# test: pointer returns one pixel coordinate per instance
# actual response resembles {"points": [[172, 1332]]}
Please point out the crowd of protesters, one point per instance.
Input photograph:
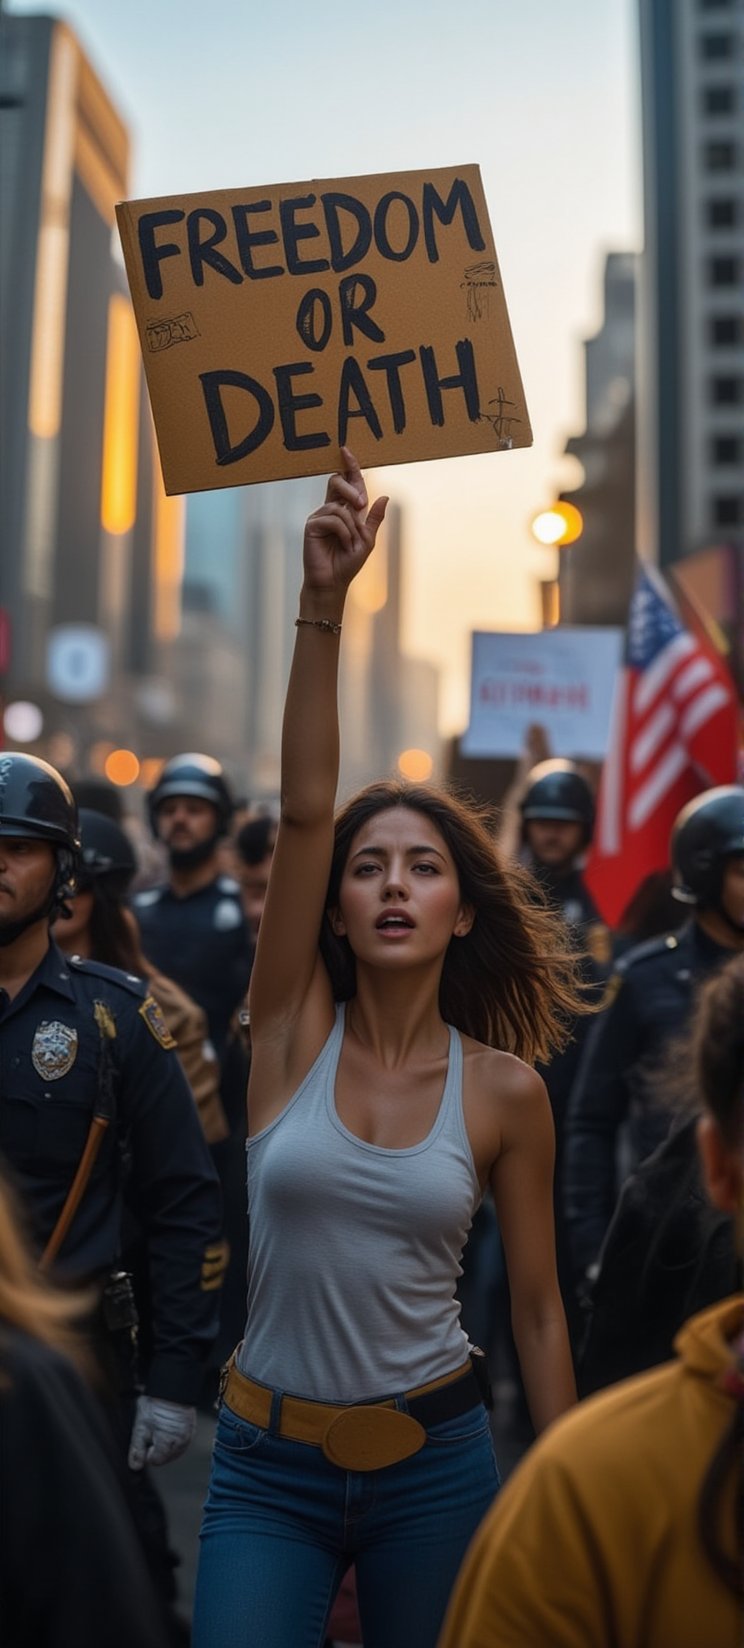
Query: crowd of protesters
{"points": [[477, 1120]]}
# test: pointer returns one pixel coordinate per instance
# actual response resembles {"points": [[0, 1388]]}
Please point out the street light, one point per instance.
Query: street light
{"points": [[560, 525]]}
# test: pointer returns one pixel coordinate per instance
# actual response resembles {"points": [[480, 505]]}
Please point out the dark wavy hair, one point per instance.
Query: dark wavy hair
{"points": [[513, 981], [112, 937], [717, 1057]]}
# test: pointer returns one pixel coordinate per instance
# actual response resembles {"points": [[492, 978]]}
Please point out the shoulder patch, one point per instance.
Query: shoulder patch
{"points": [[599, 943], [612, 989], [113, 975], [227, 915], [148, 895], [153, 1017], [663, 944]]}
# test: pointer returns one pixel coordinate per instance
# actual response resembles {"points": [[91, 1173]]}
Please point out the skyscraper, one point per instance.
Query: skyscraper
{"points": [[84, 539], [691, 361]]}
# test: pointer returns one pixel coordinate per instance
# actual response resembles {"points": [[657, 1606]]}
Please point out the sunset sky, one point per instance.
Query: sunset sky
{"points": [[543, 97]]}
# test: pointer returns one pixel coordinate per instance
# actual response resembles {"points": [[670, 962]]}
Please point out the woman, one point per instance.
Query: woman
{"points": [[71, 1569], [626, 1523], [374, 1127]]}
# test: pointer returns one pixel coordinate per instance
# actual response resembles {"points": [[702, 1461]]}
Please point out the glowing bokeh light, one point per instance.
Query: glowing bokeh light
{"points": [[416, 765], [122, 767]]}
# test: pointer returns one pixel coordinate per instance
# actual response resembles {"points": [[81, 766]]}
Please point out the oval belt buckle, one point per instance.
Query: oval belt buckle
{"points": [[369, 1438]]}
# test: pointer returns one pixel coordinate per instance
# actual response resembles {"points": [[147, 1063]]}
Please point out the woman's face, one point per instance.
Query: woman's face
{"points": [[399, 900]]}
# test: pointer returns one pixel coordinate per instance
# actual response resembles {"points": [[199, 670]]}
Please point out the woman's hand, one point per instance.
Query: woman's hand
{"points": [[341, 534]]}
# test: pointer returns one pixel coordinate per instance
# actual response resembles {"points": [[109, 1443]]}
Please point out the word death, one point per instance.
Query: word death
{"points": [[232, 397]]}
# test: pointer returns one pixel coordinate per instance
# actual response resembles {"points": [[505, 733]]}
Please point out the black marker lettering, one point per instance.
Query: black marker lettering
{"points": [[466, 380], [150, 253], [248, 238], [290, 404], [333, 204], [433, 206], [357, 293], [294, 232], [352, 381], [391, 365], [315, 318], [381, 230], [212, 384], [203, 251]]}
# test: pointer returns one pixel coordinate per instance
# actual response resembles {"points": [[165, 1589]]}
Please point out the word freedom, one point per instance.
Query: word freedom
{"points": [[394, 228]]}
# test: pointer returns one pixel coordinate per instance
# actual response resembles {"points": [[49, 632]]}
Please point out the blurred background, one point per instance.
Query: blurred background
{"points": [[611, 141]]}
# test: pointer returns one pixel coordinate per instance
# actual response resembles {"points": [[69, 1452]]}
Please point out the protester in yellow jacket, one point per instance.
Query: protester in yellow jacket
{"points": [[622, 1528]]}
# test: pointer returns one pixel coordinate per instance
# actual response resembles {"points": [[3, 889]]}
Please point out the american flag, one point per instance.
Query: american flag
{"points": [[673, 733]]}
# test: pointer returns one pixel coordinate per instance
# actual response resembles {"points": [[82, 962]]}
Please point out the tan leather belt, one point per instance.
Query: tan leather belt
{"points": [[364, 1437]]}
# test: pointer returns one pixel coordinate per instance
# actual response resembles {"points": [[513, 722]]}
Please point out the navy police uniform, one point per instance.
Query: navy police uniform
{"points": [[81, 1038], [202, 941], [648, 1000]]}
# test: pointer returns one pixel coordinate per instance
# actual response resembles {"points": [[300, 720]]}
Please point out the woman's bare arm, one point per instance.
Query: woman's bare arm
{"points": [[522, 1184], [338, 539]]}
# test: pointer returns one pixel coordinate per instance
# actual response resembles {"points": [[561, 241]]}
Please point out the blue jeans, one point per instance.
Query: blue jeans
{"points": [[282, 1524]]}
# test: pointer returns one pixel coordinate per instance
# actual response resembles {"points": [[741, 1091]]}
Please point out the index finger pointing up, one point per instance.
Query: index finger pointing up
{"points": [[354, 476]]}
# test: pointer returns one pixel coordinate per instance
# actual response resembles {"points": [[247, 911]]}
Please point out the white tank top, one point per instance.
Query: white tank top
{"points": [[355, 1249]]}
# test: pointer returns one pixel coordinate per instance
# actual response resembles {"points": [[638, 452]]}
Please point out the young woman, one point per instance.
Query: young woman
{"points": [[626, 1523], [397, 959]]}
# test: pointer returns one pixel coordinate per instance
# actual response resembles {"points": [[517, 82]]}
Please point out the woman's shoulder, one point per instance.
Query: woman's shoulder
{"points": [[492, 1071]]}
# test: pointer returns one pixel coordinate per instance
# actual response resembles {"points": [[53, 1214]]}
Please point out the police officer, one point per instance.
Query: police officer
{"points": [[557, 824], [648, 999], [94, 1105], [193, 928]]}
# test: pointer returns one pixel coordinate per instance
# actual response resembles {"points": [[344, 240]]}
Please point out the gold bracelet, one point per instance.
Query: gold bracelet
{"points": [[328, 624]]}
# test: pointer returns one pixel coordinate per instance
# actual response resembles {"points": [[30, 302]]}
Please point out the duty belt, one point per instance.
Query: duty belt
{"points": [[364, 1437]]}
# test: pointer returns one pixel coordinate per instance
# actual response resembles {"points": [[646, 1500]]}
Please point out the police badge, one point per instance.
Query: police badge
{"points": [[54, 1049]]}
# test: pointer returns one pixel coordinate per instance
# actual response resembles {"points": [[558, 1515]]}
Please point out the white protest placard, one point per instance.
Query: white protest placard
{"points": [[561, 679]]}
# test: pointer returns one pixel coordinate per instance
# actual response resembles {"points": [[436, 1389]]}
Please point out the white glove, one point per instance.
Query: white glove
{"points": [[161, 1432]]}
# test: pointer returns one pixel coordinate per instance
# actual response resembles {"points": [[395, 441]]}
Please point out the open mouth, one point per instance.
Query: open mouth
{"points": [[394, 923]]}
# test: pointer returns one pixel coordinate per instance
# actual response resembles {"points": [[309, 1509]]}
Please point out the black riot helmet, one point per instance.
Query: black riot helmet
{"points": [[106, 853], [36, 803], [707, 832], [197, 775], [555, 789]]}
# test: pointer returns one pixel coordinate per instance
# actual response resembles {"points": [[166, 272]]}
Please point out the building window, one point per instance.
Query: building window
{"points": [[727, 391], [720, 214], [729, 511], [723, 271], [719, 100], [717, 48], [726, 330], [719, 156], [727, 449]]}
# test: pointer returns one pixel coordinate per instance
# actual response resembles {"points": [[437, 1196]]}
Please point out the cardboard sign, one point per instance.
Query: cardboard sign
{"points": [[560, 679], [278, 324]]}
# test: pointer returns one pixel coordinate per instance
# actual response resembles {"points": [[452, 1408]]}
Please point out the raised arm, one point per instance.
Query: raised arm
{"points": [[338, 539]]}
